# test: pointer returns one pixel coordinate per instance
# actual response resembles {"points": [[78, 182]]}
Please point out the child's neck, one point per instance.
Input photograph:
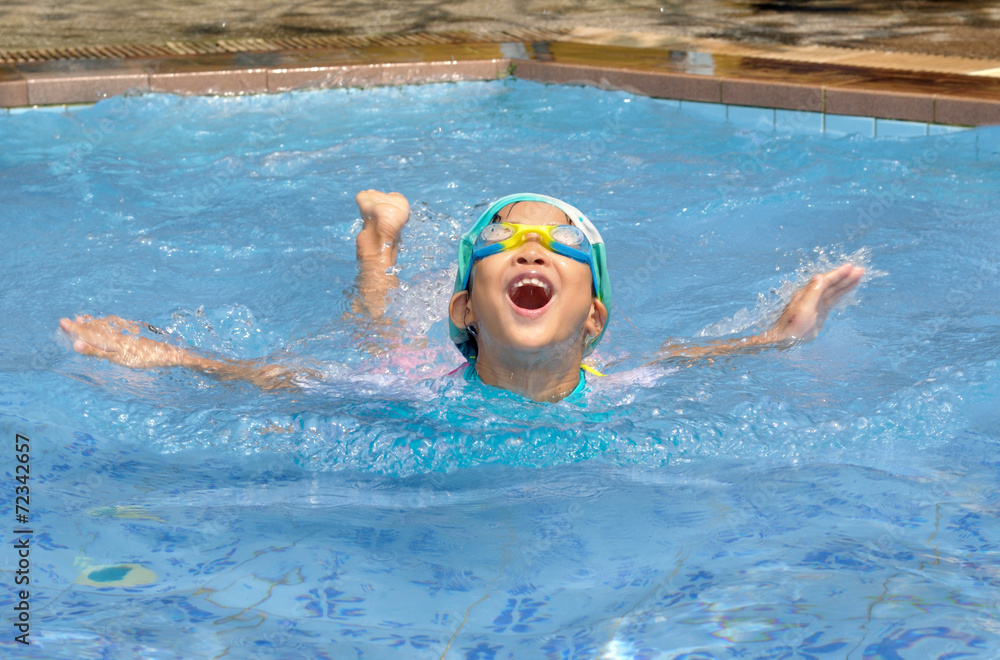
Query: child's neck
{"points": [[537, 379]]}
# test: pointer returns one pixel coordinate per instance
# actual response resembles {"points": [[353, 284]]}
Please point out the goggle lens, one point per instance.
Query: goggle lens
{"points": [[494, 233], [501, 232], [570, 236]]}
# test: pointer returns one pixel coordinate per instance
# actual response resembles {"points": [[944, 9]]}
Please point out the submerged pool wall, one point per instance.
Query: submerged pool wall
{"points": [[840, 91]]}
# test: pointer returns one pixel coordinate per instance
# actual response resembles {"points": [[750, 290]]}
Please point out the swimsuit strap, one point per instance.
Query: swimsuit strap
{"points": [[586, 367]]}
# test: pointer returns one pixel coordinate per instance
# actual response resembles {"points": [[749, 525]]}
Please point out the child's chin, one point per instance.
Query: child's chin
{"points": [[533, 344]]}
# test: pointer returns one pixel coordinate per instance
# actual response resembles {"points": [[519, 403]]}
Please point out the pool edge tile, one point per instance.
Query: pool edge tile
{"points": [[960, 111], [681, 87], [84, 88], [13, 93], [883, 105], [226, 81], [787, 96], [287, 79], [737, 81]]}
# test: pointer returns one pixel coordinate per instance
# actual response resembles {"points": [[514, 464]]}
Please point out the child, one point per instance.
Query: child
{"points": [[531, 300]]}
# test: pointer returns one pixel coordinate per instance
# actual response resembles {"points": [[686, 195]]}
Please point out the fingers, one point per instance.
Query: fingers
{"points": [[844, 272], [101, 340], [842, 287], [107, 322], [839, 281], [104, 335], [83, 348], [69, 325], [116, 339]]}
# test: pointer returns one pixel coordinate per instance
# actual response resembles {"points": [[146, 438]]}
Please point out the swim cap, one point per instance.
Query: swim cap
{"points": [[578, 219]]}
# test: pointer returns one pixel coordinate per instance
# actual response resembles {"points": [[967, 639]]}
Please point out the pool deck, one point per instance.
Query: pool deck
{"points": [[926, 87]]}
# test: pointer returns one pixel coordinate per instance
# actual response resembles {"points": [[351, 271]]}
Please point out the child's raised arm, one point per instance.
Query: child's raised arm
{"points": [[800, 321]]}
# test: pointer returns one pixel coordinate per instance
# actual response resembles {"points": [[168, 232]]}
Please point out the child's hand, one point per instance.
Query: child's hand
{"points": [[801, 320], [117, 340], [384, 215], [805, 312]]}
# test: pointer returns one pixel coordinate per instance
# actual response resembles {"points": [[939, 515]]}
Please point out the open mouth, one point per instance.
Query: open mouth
{"points": [[529, 293]]}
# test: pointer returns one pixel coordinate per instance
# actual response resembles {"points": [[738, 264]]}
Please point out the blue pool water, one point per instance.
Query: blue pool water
{"points": [[836, 500]]}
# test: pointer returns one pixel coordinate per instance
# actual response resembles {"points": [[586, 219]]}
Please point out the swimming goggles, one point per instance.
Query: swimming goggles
{"points": [[567, 240]]}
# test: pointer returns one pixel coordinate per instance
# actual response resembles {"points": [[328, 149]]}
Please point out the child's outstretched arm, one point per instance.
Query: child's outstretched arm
{"points": [[117, 340], [801, 319]]}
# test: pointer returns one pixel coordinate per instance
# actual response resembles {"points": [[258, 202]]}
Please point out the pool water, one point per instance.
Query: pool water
{"points": [[835, 500]]}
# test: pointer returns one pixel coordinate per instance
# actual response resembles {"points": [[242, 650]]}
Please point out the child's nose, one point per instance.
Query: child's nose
{"points": [[532, 251]]}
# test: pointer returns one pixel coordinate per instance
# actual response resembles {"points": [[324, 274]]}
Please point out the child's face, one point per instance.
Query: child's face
{"points": [[529, 298]]}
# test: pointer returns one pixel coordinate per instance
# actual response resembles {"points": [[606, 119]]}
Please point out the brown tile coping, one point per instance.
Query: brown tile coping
{"points": [[81, 82], [965, 112], [13, 88], [86, 81], [648, 83], [883, 105], [362, 75], [734, 79], [788, 96], [224, 81], [13, 93], [82, 88]]}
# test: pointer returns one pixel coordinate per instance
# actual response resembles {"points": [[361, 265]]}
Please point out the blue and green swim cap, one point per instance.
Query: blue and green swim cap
{"points": [[466, 244]]}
